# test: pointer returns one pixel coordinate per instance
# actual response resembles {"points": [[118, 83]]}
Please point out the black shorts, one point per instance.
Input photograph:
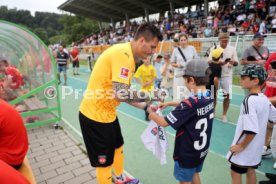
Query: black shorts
{"points": [[241, 170], [101, 140], [76, 64]]}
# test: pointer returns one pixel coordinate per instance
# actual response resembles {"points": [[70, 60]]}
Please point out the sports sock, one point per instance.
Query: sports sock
{"points": [[118, 163], [104, 175]]}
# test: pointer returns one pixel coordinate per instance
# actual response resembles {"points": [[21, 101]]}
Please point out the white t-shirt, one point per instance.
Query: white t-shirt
{"points": [[189, 53], [210, 20], [273, 22], [227, 69], [255, 112]]}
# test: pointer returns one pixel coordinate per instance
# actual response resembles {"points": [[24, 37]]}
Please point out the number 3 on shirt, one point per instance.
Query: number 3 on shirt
{"points": [[203, 134]]}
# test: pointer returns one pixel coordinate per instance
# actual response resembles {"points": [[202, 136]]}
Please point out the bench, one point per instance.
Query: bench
{"points": [[26, 171], [33, 103]]}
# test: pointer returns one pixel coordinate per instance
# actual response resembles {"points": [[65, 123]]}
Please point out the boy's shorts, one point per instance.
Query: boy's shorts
{"points": [[241, 170], [62, 68], [185, 174], [101, 140]]}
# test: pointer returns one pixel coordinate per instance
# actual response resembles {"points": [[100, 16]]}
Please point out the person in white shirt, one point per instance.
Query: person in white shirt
{"points": [[210, 20], [273, 23], [228, 61], [256, 110]]}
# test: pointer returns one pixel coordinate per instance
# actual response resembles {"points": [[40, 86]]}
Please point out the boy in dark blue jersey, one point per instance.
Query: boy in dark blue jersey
{"points": [[192, 119]]}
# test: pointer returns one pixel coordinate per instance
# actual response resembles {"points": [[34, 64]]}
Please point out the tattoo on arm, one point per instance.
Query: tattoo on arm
{"points": [[123, 93]]}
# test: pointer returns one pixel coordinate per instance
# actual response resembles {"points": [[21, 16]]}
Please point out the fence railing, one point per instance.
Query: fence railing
{"points": [[202, 45]]}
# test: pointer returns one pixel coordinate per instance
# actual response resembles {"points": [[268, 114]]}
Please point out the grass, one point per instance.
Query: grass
{"points": [[236, 80]]}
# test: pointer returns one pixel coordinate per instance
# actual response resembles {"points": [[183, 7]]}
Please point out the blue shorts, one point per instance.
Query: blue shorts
{"points": [[62, 68], [185, 174]]}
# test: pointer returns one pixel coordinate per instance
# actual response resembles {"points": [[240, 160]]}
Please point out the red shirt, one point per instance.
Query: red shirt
{"points": [[13, 135], [17, 79], [9, 175], [74, 53], [271, 79]]}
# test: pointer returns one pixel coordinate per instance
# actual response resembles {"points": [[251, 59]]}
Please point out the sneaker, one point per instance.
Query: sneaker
{"points": [[224, 118], [127, 181], [267, 153]]}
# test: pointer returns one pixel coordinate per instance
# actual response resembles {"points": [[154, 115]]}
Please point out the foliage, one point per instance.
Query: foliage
{"points": [[51, 27]]}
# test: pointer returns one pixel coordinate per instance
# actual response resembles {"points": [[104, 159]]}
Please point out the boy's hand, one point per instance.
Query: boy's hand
{"points": [[235, 149], [162, 105]]}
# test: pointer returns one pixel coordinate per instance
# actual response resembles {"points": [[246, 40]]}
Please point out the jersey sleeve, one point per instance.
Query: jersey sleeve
{"points": [[121, 69], [180, 115], [250, 119], [272, 113]]}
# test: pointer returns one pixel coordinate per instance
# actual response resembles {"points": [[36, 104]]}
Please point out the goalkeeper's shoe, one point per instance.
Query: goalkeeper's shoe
{"points": [[127, 181]]}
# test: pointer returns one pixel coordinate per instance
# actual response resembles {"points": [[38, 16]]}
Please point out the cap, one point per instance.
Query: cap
{"points": [[254, 71], [258, 35], [195, 68], [273, 64], [223, 36], [216, 53]]}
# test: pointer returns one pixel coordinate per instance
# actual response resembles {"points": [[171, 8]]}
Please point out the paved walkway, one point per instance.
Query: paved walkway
{"points": [[56, 158]]}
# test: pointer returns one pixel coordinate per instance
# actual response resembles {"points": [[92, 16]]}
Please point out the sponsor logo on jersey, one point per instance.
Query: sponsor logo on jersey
{"points": [[171, 118], [102, 159], [124, 73], [154, 131]]}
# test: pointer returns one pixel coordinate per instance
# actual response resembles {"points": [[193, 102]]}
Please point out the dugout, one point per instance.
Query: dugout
{"points": [[37, 99]]}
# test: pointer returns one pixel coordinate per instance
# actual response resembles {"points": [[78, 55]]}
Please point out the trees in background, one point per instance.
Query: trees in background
{"points": [[51, 27]]}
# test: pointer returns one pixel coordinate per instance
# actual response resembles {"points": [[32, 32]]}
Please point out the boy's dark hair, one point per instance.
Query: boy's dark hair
{"points": [[148, 31]]}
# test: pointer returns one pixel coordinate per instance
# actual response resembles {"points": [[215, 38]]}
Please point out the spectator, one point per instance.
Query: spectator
{"points": [[167, 75], [210, 20], [246, 148], [263, 29], [228, 60], [157, 65], [256, 53], [146, 75], [273, 22], [74, 55], [9, 175], [62, 61], [215, 66], [13, 136], [270, 91], [180, 56]]}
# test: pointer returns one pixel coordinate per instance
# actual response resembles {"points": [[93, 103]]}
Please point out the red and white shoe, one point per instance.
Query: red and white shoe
{"points": [[127, 181]]}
